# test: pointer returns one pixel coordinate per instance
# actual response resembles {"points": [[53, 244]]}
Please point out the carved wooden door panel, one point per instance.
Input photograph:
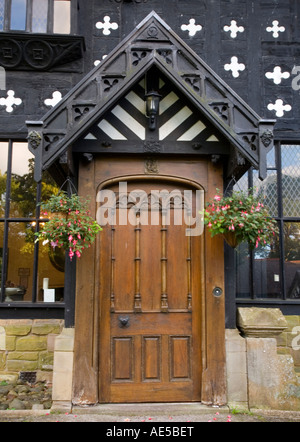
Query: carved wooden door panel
{"points": [[150, 299]]}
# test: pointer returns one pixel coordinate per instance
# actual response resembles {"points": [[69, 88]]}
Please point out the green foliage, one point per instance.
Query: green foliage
{"points": [[242, 214]]}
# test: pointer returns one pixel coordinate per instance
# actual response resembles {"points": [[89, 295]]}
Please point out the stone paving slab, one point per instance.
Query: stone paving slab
{"points": [[139, 414]]}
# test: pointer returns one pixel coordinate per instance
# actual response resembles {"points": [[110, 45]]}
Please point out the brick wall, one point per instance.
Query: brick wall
{"points": [[28, 346]]}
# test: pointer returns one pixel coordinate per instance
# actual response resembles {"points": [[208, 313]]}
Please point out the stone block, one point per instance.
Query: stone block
{"points": [[51, 341], [296, 356], [10, 343], [21, 365], [234, 341], [236, 367], [62, 376], [282, 339], [45, 360], [292, 321], [272, 381], [65, 341], [261, 322], [236, 362], [31, 343], [21, 327], [44, 327], [8, 377], [2, 360], [237, 390], [23, 356], [2, 338]]}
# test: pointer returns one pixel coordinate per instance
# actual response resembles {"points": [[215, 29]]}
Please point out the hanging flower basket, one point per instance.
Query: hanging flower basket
{"points": [[70, 225], [240, 217], [231, 239]]}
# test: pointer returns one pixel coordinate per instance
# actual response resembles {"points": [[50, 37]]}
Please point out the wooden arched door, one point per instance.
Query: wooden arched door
{"points": [[151, 294]]}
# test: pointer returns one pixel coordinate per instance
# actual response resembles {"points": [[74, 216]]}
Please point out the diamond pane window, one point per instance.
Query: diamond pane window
{"points": [[2, 10], [290, 158], [39, 15], [267, 190]]}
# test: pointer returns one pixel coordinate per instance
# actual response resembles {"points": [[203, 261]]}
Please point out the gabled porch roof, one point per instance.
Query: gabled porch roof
{"points": [[152, 43]]}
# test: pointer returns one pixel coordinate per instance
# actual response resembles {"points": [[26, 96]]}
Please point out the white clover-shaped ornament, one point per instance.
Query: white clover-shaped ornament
{"points": [[10, 101], [106, 25], [191, 27], [56, 97]]}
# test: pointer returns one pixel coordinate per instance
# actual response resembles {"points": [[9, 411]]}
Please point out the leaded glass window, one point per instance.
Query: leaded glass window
{"points": [[273, 271], [290, 159], [2, 14], [29, 271], [39, 16]]}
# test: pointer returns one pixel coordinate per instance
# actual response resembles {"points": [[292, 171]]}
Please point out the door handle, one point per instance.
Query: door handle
{"points": [[124, 321]]}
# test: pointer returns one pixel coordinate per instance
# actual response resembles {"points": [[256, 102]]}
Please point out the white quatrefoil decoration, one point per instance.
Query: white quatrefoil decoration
{"points": [[106, 25], [277, 75], [234, 67], [276, 28], [234, 29], [191, 27], [10, 101], [56, 97], [279, 107]]}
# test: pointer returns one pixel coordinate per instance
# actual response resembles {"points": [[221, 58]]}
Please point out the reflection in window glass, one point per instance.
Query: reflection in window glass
{"points": [[51, 274], [39, 15], [18, 15], [3, 169], [62, 17], [266, 271], [243, 279], [292, 259], [23, 186], [290, 157], [18, 283]]}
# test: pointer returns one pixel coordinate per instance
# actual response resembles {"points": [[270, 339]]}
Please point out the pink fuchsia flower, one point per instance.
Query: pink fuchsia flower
{"points": [[71, 254], [78, 254], [70, 238], [217, 198], [54, 244]]}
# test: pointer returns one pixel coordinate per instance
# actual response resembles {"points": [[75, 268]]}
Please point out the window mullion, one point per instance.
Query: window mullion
{"points": [[29, 16], [7, 15], [280, 217], [50, 16], [6, 224]]}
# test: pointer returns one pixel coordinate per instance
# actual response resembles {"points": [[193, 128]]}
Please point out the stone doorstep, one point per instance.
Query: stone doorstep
{"points": [[119, 409], [153, 409]]}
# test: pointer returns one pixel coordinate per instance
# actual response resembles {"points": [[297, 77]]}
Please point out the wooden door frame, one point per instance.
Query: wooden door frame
{"points": [[87, 314]]}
